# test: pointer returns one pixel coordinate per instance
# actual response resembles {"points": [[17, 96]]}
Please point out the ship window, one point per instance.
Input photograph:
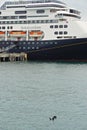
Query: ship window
{"points": [[11, 27], [71, 11], [65, 26], [53, 10], [74, 11], [60, 32], [20, 12], [51, 42], [65, 32], [37, 43], [74, 37], [60, 26], [9, 21], [2, 42], [40, 11], [46, 42], [24, 42], [55, 42], [56, 26], [23, 47], [4, 17], [12, 22], [42, 21], [25, 22], [59, 37], [13, 17], [3, 27], [33, 48], [0, 12], [3, 22], [22, 17], [51, 21], [55, 33], [33, 21], [8, 27], [51, 26], [37, 47], [33, 42]]}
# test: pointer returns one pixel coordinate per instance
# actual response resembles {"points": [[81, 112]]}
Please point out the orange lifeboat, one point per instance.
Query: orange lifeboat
{"points": [[2, 34], [17, 33], [35, 33]]}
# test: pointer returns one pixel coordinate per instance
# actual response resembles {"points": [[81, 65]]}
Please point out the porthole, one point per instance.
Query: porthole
{"points": [[7, 42], [11, 42], [24, 42], [24, 48], [33, 42], [55, 42], [37, 48], [33, 48], [28, 48], [37, 42], [46, 42], [51, 42]]}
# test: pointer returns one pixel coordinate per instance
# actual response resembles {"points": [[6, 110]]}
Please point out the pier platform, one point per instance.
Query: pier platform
{"points": [[6, 57]]}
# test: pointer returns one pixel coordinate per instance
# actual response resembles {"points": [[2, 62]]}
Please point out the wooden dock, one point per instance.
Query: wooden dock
{"points": [[6, 57]]}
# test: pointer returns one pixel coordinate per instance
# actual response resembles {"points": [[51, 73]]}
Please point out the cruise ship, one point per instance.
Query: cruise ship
{"points": [[43, 29]]}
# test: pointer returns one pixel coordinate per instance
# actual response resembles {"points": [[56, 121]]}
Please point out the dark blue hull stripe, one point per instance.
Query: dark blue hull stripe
{"points": [[53, 49]]}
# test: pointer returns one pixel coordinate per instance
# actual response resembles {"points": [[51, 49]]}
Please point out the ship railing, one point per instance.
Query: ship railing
{"points": [[29, 2]]}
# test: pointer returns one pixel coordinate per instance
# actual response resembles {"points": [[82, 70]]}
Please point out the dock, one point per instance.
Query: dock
{"points": [[11, 57]]}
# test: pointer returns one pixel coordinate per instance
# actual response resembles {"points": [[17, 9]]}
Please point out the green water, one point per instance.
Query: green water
{"points": [[31, 92]]}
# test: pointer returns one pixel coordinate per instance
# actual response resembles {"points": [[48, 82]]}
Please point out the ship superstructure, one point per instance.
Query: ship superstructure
{"points": [[42, 28]]}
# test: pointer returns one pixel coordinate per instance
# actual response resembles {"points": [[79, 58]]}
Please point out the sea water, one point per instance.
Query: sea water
{"points": [[33, 92]]}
